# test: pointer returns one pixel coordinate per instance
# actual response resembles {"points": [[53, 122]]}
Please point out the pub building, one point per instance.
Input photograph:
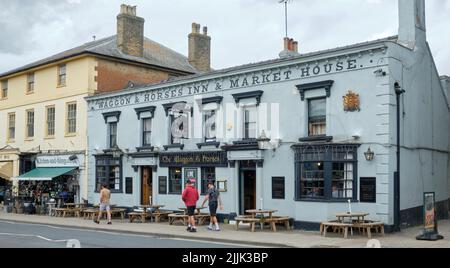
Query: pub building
{"points": [[302, 134]]}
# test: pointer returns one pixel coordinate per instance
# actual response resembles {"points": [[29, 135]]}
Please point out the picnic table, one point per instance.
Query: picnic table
{"points": [[200, 217], [356, 220], [261, 215], [358, 216]]}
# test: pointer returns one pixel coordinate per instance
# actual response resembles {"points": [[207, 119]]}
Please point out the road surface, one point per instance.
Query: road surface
{"points": [[22, 235]]}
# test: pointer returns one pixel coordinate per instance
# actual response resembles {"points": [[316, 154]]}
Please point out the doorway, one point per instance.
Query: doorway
{"points": [[146, 185], [247, 186]]}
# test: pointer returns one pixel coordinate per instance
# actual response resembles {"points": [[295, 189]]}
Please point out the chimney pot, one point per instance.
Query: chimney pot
{"points": [[295, 46], [205, 30], [286, 43]]}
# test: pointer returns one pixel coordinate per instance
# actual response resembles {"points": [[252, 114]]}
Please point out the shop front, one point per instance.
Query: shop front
{"points": [[56, 179]]}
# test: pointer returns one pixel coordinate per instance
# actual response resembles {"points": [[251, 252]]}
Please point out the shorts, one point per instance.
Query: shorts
{"points": [[105, 207], [191, 210], [213, 209]]}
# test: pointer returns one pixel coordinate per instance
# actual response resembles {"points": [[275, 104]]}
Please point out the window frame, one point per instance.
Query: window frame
{"points": [[322, 118], [4, 88], [204, 179], [27, 125], [246, 136], [170, 180], [47, 126], [62, 74], [107, 165], [68, 119], [172, 118], [9, 128], [30, 83], [328, 152], [206, 115], [284, 188], [145, 132], [110, 135]]}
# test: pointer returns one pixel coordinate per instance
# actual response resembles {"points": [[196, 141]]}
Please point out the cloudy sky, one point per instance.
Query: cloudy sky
{"points": [[242, 31]]}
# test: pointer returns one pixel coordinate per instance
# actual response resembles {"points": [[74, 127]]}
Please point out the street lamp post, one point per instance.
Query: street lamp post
{"points": [[398, 92]]}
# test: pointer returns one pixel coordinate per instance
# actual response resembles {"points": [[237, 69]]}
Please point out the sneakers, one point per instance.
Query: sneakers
{"points": [[210, 228], [96, 221], [109, 223], [217, 229], [193, 230], [189, 228]]}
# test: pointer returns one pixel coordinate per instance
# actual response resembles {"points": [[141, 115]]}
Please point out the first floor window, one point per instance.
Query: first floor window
{"points": [[50, 121], [175, 181], [109, 172], [71, 118], [30, 123], [4, 89], [209, 125], [326, 171], [11, 126], [250, 119], [178, 127], [30, 83], [317, 117], [208, 174], [62, 75], [112, 135], [146, 132]]}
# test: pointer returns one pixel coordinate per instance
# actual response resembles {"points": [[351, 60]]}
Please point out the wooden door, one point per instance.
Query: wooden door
{"points": [[146, 185]]}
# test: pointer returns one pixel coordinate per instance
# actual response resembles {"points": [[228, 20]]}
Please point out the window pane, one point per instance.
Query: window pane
{"points": [[209, 126], [208, 174], [30, 80], [50, 121], [312, 182], [278, 188], [112, 135], [72, 118], [146, 133], [342, 180], [12, 126], [317, 107], [175, 181], [4, 89], [250, 117], [30, 124]]}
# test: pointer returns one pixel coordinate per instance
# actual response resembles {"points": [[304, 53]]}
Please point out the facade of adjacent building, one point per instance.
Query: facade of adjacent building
{"points": [[302, 134], [42, 107]]}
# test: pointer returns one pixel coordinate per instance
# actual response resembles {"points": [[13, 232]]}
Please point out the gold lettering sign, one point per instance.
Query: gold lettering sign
{"points": [[351, 102], [205, 159]]}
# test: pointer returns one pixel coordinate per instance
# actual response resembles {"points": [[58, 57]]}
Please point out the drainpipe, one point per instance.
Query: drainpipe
{"points": [[398, 92]]}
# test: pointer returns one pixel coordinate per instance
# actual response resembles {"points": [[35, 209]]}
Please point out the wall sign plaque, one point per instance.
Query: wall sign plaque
{"points": [[191, 159], [351, 102]]}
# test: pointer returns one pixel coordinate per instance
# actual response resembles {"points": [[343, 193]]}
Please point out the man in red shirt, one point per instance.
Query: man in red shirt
{"points": [[190, 197]]}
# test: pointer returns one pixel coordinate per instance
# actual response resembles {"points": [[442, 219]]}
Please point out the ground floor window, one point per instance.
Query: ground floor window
{"points": [[109, 171], [208, 174], [175, 181], [326, 172]]}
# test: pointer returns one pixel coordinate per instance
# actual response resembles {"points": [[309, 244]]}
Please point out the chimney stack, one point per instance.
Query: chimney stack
{"points": [[130, 32], [412, 27], [290, 48], [200, 48]]}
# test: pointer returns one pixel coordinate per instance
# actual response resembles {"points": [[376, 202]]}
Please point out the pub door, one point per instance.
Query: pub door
{"points": [[247, 186], [146, 185]]}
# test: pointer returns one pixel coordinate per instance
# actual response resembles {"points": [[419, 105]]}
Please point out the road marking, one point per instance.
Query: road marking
{"points": [[38, 236]]}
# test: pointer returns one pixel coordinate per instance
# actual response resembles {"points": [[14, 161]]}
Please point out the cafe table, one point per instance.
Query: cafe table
{"points": [[358, 216], [263, 214]]}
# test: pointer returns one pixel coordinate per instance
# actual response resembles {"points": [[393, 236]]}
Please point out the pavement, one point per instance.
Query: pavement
{"points": [[228, 234]]}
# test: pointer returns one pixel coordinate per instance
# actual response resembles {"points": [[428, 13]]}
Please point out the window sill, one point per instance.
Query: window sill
{"points": [[29, 139], [29, 93], [10, 141], [147, 148], [60, 86], [174, 146], [211, 143], [49, 138], [310, 200], [70, 135], [316, 138]]}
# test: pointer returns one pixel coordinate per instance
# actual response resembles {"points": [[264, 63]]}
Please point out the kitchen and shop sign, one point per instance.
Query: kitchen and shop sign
{"points": [[58, 161], [206, 159]]}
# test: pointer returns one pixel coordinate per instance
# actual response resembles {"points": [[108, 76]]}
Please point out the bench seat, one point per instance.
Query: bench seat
{"points": [[336, 226], [368, 226]]}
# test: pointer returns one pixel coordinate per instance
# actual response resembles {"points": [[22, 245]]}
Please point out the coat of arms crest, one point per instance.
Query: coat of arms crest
{"points": [[351, 102]]}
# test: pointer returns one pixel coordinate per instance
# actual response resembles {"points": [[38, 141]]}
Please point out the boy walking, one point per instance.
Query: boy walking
{"points": [[190, 197], [213, 198], [105, 197]]}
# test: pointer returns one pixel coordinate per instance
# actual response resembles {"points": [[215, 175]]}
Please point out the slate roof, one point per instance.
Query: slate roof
{"points": [[154, 54]]}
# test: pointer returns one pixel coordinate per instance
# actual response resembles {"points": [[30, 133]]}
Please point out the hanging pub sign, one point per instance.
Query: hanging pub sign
{"points": [[430, 231], [190, 159]]}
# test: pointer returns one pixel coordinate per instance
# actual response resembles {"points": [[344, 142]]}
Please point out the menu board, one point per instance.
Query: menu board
{"points": [[368, 190]]}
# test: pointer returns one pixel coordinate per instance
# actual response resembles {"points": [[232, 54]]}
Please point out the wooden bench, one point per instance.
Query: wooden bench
{"points": [[160, 215], [278, 219], [89, 214], [246, 219], [368, 226], [118, 211], [336, 226], [177, 217], [138, 215], [63, 212], [201, 218]]}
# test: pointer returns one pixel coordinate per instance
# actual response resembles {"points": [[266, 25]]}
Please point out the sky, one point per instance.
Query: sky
{"points": [[242, 31]]}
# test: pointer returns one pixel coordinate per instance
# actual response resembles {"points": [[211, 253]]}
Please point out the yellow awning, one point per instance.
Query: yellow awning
{"points": [[6, 170]]}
